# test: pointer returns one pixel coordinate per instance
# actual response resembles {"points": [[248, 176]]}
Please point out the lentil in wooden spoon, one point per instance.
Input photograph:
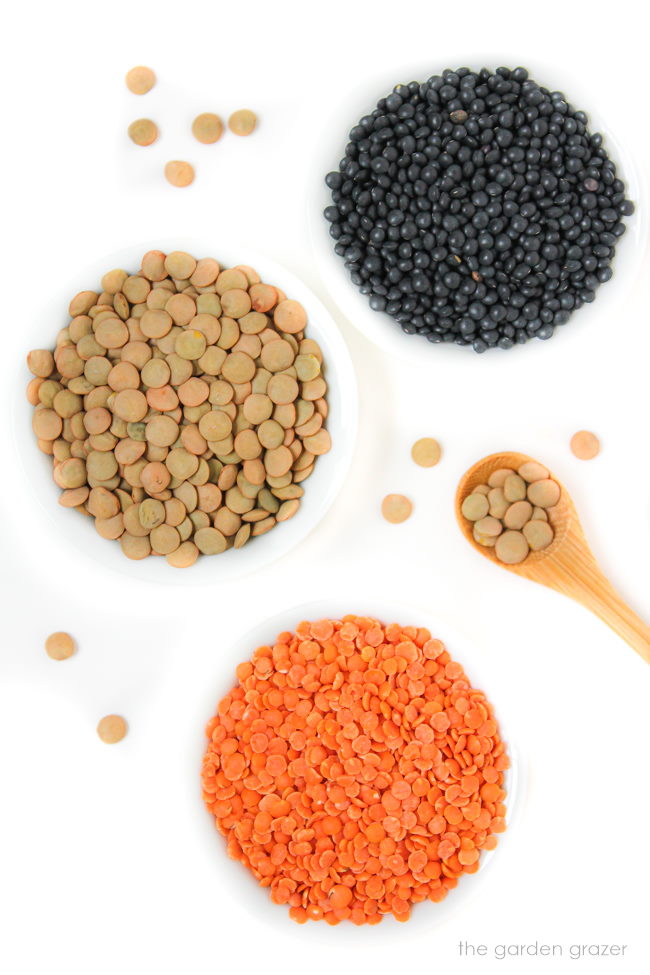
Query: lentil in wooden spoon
{"points": [[567, 564]]}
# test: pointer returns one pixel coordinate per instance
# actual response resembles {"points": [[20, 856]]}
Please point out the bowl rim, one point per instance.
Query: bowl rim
{"points": [[329, 473]]}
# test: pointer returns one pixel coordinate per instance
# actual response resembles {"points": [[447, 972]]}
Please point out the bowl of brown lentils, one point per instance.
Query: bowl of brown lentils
{"points": [[196, 412]]}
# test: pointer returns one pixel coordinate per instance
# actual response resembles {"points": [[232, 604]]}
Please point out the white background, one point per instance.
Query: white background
{"points": [[106, 862]]}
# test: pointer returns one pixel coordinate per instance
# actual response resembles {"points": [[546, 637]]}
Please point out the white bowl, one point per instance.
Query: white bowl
{"points": [[379, 327], [321, 487], [234, 877]]}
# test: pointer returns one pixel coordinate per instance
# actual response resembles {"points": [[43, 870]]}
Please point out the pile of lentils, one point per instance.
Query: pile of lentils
{"points": [[510, 512], [476, 208], [355, 770], [182, 406]]}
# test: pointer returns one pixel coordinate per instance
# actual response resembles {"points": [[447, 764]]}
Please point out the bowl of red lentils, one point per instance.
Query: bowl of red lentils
{"points": [[354, 769]]}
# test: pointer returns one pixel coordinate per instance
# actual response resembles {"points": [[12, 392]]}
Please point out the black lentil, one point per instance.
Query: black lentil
{"points": [[476, 208]]}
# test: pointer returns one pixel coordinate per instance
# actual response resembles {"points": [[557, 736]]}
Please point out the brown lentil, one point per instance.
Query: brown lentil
{"points": [[511, 547], [140, 80], [112, 729], [179, 173], [242, 122], [59, 646], [185, 555], [585, 445], [475, 506], [426, 452], [396, 508], [538, 534], [207, 128], [544, 494], [143, 132], [517, 521]]}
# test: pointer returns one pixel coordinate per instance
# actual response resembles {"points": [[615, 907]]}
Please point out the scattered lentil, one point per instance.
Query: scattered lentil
{"points": [[179, 173], [426, 452], [59, 646], [242, 122], [165, 434], [207, 128], [355, 771], [143, 132], [112, 729], [140, 80], [396, 508], [585, 445]]}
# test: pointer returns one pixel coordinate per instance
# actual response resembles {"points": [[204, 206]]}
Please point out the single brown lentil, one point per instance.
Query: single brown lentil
{"points": [[143, 132], [242, 122], [140, 80], [179, 173], [60, 646], [585, 445], [207, 128], [426, 452], [112, 729], [396, 508]]}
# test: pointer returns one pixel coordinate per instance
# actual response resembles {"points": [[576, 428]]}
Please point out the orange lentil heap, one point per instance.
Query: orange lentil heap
{"points": [[355, 770]]}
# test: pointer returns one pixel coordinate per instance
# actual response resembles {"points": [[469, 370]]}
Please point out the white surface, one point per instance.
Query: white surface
{"points": [[103, 867], [330, 471]]}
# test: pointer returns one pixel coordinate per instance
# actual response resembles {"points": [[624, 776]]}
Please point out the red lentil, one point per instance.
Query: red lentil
{"points": [[355, 770]]}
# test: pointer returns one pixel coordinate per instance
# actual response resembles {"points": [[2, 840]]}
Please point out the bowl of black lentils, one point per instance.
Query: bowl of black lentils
{"points": [[477, 208]]}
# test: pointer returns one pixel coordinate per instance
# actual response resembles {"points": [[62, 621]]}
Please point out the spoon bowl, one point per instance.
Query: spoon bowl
{"points": [[567, 565], [562, 517]]}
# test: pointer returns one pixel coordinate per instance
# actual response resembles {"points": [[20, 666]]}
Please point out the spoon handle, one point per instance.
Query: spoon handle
{"points": [[579, 576]]}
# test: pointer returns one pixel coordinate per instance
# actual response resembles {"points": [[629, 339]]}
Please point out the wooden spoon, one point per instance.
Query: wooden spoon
{"points": [[567, 565]]}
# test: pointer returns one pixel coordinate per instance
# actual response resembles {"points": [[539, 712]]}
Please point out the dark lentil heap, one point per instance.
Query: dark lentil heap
{"points": [[476, 208]]}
